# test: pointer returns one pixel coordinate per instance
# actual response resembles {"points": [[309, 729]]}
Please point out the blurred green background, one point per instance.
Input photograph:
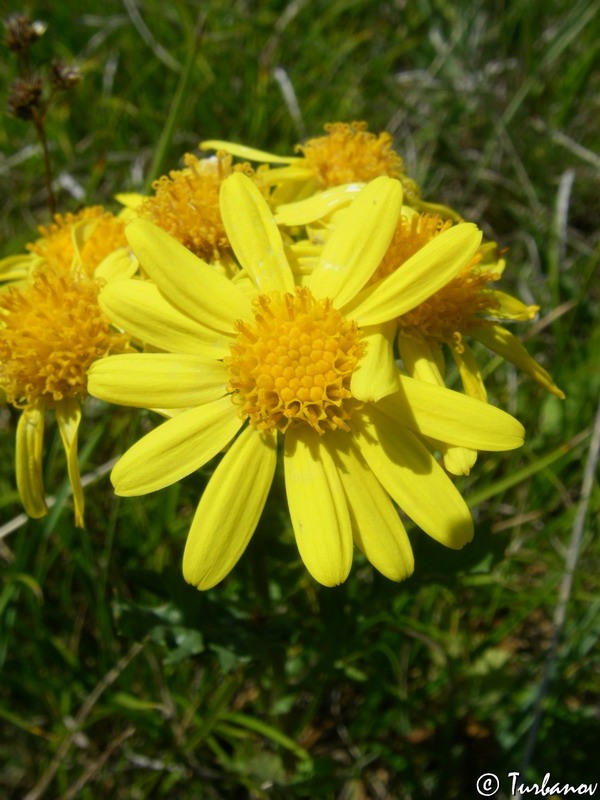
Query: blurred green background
{"points": [[119, 680]]}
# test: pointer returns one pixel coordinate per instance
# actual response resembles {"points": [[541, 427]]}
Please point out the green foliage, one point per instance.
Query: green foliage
{"points": [[269, 686]]}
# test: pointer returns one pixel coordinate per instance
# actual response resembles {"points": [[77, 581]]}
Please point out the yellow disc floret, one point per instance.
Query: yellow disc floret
{"points": [[186, 203], [349, 153], [293, 363], [56, 243], [50, 333]]}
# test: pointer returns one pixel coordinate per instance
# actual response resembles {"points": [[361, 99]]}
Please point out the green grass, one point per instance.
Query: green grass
{"points": [[269, 686]]}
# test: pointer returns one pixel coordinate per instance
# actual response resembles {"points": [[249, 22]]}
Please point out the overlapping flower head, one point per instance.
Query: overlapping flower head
{"points": [[185, 203], [51, 330], [306, 303], [466, 307], [296, 362], [347, 154]]}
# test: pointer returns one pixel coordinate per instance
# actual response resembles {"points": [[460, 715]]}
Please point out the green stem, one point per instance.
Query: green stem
{"points": [[156, 168], [41, 131]]}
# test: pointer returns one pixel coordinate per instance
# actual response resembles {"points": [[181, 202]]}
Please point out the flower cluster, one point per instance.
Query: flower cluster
{"points": [[301, 306]]}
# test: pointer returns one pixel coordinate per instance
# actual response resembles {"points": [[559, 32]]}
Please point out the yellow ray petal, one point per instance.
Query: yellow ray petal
{"points": [[509, 347], [28, 468], [68, 416], [359, 242], [230, 509], [249, 153], [505, 306], [422, 360], [317, 206], [165, 380], [469, 372], [185, 280], [452, 417], [130, 199], [430, 268], [118, 265], [459, 460], [253, 234], [318, 507], [377, 373], [80, 233], [140, 309], [376, 526], [410, 474], [177, 447], [15, 268]]}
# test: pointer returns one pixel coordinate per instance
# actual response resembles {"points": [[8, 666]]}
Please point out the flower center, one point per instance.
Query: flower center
{"points": [[293, 363], [51, 332], [186, 203], [349, 153], [459, 305], [56, 245]]}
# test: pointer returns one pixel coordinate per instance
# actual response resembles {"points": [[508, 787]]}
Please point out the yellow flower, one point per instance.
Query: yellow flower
{"points": [[51, 330], [83, 239], [186, 204], [466, 305], [297, 364], [347, 154]]}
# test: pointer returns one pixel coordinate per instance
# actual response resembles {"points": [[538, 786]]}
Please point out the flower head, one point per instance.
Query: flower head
{"points": [[347, 154], [51, 330], [186, 205], [304, 364], [88, 236]]}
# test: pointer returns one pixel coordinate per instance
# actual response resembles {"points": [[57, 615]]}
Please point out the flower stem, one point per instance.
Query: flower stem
{"points": [[41, 131]]}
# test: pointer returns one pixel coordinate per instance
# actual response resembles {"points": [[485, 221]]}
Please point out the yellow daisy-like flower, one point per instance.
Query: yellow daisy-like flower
{"points": [[51, 330], [185, 203], [83, 239], [295, 363], [347, 154], [466, 305]]}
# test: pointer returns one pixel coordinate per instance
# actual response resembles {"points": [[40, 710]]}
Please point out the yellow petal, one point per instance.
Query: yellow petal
{"points": [[15, 268], [68, 416], [505, 306], [118, 265], [166, 380], [459, 460], [80, 233], [230, 509], [452, 417], [422, 360], [509, 347], [410, 474], [29, 445], [140, 309], [176, 448], [317, 206], [376, 525], [293, 183], [359, 242], [318, 507], [185, 280], [242, 151], [130, 199], [430, 268], [377, 373], [253, 234], [469, 372]]}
